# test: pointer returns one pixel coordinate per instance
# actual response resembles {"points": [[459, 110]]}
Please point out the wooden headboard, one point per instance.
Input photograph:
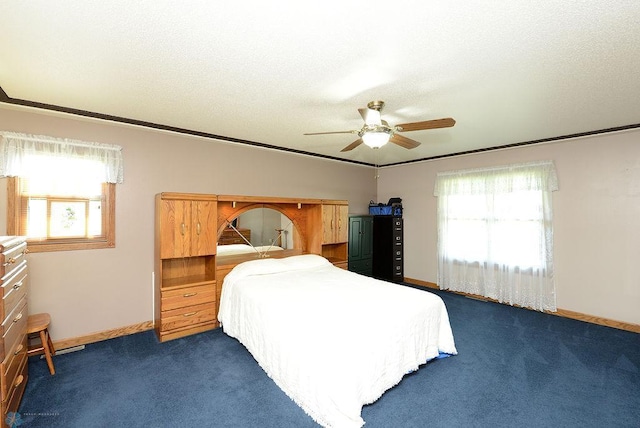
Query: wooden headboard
{"points": [[305, 214], [188, 227]]}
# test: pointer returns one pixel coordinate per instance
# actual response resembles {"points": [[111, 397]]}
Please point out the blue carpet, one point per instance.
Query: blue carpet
{"points": [[515, 368]]}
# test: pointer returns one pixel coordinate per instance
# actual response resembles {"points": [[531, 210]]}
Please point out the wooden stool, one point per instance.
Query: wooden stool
{"points": [[39, 323]]}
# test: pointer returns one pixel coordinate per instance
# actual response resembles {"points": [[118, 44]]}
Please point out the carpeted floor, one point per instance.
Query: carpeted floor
{"points": [[515, 368]]}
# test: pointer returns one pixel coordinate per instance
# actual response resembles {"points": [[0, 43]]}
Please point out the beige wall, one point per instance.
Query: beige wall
{"points": [[596, 214], [596, 218], [92, 291]]}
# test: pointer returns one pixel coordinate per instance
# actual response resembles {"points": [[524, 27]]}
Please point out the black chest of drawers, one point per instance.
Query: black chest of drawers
{"points": [[388, 248]]}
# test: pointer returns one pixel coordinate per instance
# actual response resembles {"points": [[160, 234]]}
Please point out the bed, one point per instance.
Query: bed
{"points": [[331, 339]]}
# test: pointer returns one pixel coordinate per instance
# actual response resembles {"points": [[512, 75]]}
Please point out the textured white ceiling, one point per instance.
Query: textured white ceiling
{"points": [[507, 71]]}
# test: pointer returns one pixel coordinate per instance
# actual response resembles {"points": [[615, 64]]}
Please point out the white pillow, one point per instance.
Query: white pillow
{"points": [[305, 261]]}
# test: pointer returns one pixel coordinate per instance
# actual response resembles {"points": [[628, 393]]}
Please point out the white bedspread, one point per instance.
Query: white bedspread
{"points": [[331, 339]]}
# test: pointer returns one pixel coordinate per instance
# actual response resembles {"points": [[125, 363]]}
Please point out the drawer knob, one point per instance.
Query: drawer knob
{"points": [[19, 380], [20, 347], [18, 285], [9, 262], [190, 314], [18, 318], [189, 294]]}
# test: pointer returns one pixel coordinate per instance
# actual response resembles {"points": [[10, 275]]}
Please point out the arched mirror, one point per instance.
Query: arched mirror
{"points": [[258, 231]]}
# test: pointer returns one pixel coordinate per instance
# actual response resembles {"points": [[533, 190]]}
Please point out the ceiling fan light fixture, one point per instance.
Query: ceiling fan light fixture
{"points": [[376, 132], [376, 139]]}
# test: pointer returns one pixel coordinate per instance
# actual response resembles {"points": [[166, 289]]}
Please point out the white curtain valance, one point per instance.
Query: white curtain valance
{"points": [[17, 152], [502, 179]]}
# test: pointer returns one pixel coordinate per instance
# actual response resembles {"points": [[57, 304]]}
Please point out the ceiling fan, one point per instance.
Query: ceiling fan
{"points": [[376, 132]]}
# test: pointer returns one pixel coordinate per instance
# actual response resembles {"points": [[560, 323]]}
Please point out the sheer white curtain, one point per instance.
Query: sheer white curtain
{"points": [[495, 233], [38, 156]]}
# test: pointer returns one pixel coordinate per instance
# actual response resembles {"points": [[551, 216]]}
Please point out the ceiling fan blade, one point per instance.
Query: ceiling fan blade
{"points": [[352, 145], [334, 132], [371, 117], [428, 124], [403, 141]]}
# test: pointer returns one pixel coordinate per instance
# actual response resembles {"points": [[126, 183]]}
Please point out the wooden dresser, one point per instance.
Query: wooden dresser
{"points": [[13, 349], [230, 236]]}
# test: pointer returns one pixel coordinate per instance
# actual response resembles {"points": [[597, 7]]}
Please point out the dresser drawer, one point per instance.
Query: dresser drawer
{"points": [[11, 365], [188, 296], [14, 289], [188, 316], [14, 327], [363, 267], [11, 257], [360, 265], [16, 390]]}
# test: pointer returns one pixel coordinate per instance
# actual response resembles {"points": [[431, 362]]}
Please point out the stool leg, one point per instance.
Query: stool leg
{"points": [[50, 342], [47, 353]]}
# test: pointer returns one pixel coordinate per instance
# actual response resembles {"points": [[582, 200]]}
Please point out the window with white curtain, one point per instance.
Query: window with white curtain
{"points": [[495, 233], [61, 192]]}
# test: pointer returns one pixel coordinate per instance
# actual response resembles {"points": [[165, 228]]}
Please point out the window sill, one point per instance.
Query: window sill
{"points": [[36, 246]]}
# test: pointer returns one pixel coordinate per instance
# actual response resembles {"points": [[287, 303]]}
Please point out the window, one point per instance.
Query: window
{"points": [[482, 229], [61, 193], [495, 235], [55, 223]]}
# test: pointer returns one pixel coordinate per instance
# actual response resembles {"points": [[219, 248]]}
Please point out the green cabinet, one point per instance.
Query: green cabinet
{"points": [[361, 244]]}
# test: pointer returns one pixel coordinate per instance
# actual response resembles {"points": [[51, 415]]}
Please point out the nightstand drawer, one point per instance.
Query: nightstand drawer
{"points": [[188, 296], [188, 316]]}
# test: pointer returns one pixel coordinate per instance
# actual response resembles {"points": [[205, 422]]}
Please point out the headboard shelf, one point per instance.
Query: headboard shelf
{"points": [[226, 262]]}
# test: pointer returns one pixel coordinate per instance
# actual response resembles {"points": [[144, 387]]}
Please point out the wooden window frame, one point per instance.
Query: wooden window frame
{"points": [[16, 222]]}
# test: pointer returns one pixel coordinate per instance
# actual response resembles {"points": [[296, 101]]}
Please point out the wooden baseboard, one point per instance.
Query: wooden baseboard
{"points": [[621, 325], [421, 283], [103, 335]]}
